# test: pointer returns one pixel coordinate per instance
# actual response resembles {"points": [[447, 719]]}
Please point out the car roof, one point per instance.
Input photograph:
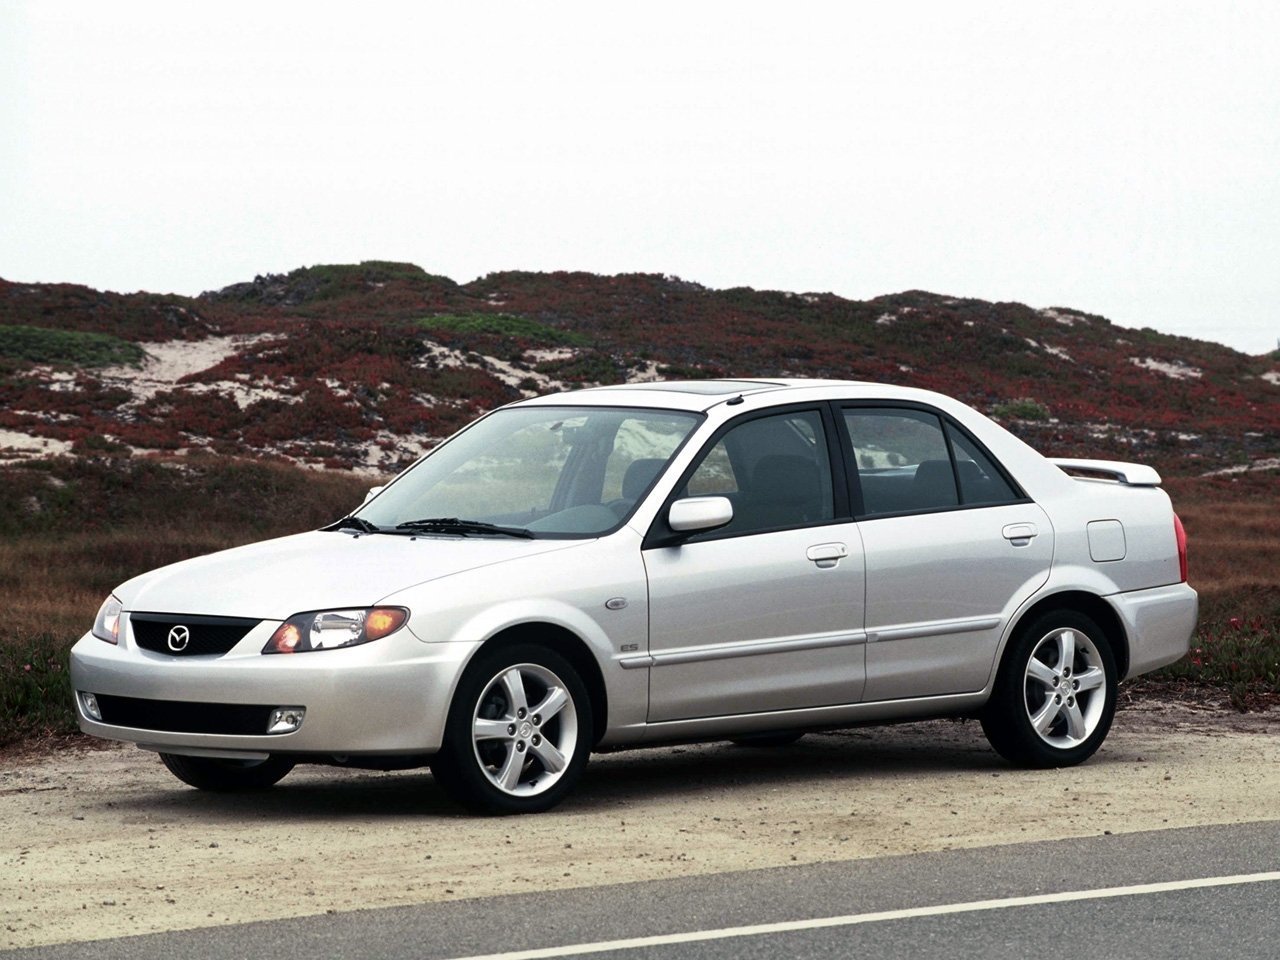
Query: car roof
{"points": [[704, 394], [701, 395]]}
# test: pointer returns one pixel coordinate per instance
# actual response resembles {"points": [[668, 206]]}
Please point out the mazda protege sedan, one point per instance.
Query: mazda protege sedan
{"points": [[657, 562]]}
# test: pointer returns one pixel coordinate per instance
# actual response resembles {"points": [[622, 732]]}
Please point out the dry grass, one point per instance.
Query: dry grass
{"points": [[1233, 536], [1234, 546]]}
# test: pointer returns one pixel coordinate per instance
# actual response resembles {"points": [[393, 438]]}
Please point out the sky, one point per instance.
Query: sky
{"points": [[1118, 158]]}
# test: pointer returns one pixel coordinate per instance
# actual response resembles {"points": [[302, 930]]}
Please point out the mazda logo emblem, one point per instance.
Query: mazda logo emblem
{"points": [[179, 637]]}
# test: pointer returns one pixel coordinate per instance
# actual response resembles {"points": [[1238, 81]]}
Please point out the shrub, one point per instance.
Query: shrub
{"points": [[505, 325], [591, 366], [42, 345], [1023, 408]]}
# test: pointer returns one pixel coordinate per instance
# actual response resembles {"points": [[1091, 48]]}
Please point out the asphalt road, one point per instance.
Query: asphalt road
{"points": [[1237, 918]]}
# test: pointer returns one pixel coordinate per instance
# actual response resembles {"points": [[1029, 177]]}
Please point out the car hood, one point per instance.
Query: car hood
{"points": [[320, 570]]}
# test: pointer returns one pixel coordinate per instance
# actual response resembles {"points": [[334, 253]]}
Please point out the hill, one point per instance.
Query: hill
{"points": [[365, 366]]}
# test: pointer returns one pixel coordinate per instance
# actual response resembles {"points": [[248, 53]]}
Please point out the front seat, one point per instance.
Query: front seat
{"points": [[785, 491], [638, 477], [640, 473]]}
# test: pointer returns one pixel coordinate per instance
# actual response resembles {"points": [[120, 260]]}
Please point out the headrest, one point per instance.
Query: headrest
{"points": [[638, 477]]}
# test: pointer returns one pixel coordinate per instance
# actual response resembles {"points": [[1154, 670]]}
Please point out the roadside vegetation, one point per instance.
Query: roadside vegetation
{"points": [[1233, 537], [348, 360], [73, 529]]}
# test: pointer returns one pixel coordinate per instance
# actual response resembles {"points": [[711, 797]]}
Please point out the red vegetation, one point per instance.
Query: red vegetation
{"points": [[349, 358]]}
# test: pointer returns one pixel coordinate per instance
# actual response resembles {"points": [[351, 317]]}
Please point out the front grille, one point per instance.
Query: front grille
{"points": [[179, 716], [204, 636]]}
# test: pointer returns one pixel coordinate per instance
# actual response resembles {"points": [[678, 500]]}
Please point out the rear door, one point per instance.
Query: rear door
{"points": [[953, 547]]}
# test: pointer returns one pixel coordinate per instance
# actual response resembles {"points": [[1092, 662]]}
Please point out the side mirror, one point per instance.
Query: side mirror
{"points": [[373, 492], [699, 513]]}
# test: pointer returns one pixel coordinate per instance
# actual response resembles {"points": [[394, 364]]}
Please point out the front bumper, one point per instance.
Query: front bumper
{"points": [[390, 696], [1159, 623]]}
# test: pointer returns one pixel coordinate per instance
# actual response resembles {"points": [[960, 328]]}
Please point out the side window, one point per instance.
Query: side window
{"points": [[714, 476], [775, 470], [641, 448], [980, 481], [902, 461]]}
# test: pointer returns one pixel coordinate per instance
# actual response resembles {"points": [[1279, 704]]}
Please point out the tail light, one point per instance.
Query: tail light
{"points": [[1181, 535]]}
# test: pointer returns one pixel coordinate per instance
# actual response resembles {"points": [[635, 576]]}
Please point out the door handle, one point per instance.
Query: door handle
{"points": [[1020, 534], [827, 555]]}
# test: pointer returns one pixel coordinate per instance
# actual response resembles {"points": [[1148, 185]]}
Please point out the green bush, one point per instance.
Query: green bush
{"points": [[591, 366], [503, 325], [1023, 408], [42, 345], [330, 280]]}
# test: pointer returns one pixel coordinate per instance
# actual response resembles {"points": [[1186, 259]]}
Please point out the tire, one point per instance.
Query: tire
{"points": [[518, 733], [1046, 711], [766, 740], [227, 776]]}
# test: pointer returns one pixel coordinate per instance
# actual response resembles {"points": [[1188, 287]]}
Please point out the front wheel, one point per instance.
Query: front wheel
{"points": [[227, 776], [518, 732], [1056, 693]]}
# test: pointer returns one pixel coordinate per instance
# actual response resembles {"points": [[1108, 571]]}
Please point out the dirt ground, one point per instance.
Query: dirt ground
{"points": [[99, 843]]}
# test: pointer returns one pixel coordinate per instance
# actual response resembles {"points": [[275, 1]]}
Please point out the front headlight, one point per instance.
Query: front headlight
{"points": [[106, 625], [330, 629]]}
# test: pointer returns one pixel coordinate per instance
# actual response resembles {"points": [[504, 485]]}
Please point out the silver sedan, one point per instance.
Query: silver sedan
{"points": [[659, 562]]}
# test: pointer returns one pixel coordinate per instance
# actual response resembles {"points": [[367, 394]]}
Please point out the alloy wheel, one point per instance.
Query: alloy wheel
{"points": [[524, 730], [1064, 688]]}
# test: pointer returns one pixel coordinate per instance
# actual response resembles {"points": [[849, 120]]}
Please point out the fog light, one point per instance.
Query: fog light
{"points": [[286, 719], [89, 704]]}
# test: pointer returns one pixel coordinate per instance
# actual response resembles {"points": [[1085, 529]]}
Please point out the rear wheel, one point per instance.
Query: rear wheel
{"points": [[518, 733], [1056, 694], [227, 776]]}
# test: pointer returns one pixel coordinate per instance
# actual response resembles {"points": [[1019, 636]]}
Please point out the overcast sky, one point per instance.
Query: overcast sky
{"points": [[1120, 158]]}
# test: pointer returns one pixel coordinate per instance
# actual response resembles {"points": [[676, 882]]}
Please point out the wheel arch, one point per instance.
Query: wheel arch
{"points": [[568, 645], [1092, 606]]}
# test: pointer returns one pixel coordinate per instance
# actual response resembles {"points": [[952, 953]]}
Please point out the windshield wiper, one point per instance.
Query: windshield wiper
{"points": [[354, 523], [463, 527]]}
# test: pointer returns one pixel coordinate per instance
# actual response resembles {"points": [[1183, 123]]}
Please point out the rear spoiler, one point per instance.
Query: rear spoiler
{"points": [[1131, 474]]}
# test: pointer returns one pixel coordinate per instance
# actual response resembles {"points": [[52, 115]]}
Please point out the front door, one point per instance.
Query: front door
{"points": [[766, 613]]}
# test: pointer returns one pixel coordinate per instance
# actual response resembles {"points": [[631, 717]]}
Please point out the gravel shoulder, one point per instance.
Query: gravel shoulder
{"points": [[98, 843]]}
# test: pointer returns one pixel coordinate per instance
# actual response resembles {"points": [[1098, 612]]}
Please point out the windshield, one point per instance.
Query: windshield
{"points": [[553, 471]]}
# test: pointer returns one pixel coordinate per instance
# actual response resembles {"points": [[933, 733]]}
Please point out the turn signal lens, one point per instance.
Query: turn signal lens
{"points": [[1181, 536], [106, 625], [332, 629], [384, 620]]}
